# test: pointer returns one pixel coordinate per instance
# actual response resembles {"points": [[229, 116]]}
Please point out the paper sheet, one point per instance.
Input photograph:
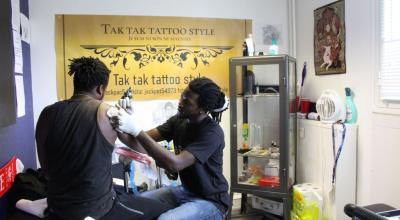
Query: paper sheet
{"points": [[18, 58], [15, 17], [19, 88], [25, 29]]}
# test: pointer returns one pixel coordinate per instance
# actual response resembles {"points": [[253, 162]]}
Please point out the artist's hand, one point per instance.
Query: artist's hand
{"points": [[126, 103], [127, 123]]}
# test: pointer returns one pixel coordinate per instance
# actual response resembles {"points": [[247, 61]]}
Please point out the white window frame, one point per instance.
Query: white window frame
{"points": [[380, 105]]}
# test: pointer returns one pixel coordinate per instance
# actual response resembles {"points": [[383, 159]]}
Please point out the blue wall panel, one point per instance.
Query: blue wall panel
{"points": [[18, 139]]}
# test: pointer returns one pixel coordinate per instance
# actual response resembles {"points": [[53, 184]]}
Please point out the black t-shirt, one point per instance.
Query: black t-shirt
{"points": [[205, 140]]}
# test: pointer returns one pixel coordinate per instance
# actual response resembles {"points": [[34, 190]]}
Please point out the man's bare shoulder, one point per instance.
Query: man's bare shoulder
{"points": [[106, 109], [104, 122]]}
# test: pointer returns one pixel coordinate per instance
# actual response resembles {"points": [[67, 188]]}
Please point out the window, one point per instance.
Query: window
{"points": [[389, 53]]}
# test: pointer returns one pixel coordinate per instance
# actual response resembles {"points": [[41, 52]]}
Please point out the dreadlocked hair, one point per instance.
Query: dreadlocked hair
{"points": [[88, 73], [211, 98]]}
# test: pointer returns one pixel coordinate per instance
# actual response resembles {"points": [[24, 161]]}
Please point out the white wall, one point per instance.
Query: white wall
{"points": [[378, 134], [42, 13]]}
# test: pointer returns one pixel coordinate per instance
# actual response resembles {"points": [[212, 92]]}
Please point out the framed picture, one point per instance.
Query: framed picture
{"points": [[330, 39]]}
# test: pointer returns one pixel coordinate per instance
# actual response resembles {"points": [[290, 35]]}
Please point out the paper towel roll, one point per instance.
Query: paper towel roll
{"points": [[307, 201]]}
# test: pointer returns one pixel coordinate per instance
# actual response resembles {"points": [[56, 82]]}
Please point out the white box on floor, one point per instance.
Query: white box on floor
{"points": [[267, 205]]}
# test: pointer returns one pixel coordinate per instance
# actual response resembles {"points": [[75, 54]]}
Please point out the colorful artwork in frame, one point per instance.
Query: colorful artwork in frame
{"points": [[329, 39]]}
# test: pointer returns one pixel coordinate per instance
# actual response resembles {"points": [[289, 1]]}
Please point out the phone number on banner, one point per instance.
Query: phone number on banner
{"points": [[162, 91]]}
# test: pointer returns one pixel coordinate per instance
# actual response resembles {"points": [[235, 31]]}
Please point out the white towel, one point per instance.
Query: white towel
{"points": [[35, 207]]}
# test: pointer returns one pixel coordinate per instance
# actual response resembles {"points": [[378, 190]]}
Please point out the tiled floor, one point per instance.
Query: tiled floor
{"points": [[249, 217]]}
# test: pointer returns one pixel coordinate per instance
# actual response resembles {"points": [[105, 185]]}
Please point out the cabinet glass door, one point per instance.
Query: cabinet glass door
{"points": [[258, 125]]}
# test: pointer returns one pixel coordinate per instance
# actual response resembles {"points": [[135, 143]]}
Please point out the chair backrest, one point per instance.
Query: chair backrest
{"points": [[358, 212]]}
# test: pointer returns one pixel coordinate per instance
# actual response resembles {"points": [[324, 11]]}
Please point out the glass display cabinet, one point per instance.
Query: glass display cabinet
{"points": [[263, 127]]}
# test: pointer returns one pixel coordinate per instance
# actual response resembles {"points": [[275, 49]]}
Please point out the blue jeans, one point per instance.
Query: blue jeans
{"points": [[184, 205]]}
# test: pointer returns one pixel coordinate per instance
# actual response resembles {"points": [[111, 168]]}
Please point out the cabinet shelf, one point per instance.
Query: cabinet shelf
{"points": [[253, 184], [258, 95], [257, 156]]}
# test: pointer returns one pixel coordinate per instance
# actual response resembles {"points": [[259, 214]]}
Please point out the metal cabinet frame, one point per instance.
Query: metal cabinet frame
{"points": [[283, 193]]}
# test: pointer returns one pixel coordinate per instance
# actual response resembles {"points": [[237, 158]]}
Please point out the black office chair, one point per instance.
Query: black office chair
{"points": [[367, 212]]}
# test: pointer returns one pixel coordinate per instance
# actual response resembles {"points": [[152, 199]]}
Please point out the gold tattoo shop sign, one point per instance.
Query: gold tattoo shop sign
{"points": [[156, 56]]}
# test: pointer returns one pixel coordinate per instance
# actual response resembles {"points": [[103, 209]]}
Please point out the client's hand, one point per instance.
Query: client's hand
{"points": [[127, 123]]}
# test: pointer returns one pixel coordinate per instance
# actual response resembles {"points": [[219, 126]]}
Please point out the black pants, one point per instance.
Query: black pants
{"points": [[128, 206]]}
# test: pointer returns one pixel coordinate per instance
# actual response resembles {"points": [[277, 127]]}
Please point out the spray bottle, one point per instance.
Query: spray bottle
{"points": [[273, 49], [351, 111]]}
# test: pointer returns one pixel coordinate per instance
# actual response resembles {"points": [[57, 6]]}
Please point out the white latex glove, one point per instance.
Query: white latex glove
{"points": [[128, 123], [126, 103]]}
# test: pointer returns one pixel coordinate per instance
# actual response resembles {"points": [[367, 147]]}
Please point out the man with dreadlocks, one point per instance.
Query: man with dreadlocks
{"points": [[75, 141], [199, 144]]}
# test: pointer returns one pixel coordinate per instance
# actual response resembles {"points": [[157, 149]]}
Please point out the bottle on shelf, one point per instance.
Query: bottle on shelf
{"points": [[250, 45], [351, 111], [255, 136], [273, 49], [245, 50], [249, 83], [274, 150], [245, 136]]}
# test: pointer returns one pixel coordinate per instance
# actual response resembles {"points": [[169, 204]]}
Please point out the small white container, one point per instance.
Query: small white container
{"points": [[270, 170]]}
